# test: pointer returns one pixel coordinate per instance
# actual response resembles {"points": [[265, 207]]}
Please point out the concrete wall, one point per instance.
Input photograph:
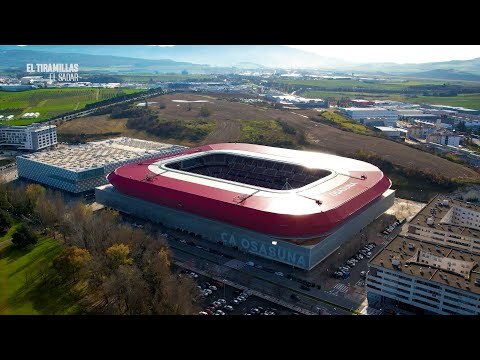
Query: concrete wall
{"points": [[305, 257]]}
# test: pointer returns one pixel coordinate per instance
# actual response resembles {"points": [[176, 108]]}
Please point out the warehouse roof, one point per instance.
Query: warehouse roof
{"points": [[101, 153]]}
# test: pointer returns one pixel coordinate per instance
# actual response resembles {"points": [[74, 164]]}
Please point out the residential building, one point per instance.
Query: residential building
{"points": [[428, 278], [32, 137], [448, 222], [445, 137], [420, 131]]}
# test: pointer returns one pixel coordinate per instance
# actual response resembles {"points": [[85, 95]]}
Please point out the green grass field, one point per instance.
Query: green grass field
{"points": [[471, 101], [173, 77], [51, 102], [266, 132], [20, 292], [352, 84], [8, 234], [346, 123]]}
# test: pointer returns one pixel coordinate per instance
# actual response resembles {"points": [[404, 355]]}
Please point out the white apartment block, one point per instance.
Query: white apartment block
{"points": [[445, 138], [435, 279], [448, 222], [32, 137]]}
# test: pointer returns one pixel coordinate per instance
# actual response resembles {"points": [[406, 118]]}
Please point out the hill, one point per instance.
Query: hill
{"points": [[214, 55], [239, 122], [17, 60]]}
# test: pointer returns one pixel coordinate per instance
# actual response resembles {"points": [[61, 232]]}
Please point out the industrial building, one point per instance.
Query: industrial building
{"points": [[362, 103], [387, 116], [309, 203], [80, 168], [448, 222], [393, 132], [418, 275], [32, 137], [298, 101]]}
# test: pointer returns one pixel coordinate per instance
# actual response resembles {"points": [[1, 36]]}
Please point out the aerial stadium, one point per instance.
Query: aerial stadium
{"points": [[291, 206]]}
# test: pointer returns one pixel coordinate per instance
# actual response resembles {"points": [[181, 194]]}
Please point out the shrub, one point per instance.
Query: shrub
{"points": [[23, 237]]}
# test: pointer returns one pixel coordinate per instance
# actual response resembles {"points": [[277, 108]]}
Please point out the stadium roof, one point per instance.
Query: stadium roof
{"points": [[308, 210]]}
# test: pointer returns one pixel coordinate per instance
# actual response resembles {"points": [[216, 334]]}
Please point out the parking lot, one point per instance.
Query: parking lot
{"points": [[222, 299], [348, 288]]}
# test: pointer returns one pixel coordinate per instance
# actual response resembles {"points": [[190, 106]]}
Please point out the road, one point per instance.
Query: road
{"points": [[251, 278], [232, 266]]}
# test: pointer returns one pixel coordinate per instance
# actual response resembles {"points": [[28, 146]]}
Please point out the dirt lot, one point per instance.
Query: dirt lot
{"points": [[227, 115]]}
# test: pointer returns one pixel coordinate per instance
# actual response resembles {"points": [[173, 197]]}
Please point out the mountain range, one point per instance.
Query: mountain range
{"points": [[218, 58]]}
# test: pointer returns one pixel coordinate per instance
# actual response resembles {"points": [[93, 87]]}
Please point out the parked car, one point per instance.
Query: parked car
{"points": [[250, 263], [363, 274], [202, 313], [235, 302], [228, 308], [219, 312], [222, 301], [279, 273], [213, 288]]}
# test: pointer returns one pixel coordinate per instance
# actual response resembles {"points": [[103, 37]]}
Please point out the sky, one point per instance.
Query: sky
{"points": [[394, 53]]}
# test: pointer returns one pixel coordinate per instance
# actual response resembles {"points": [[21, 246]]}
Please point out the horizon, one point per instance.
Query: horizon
{"points": [[369, 54], [399, 54]]}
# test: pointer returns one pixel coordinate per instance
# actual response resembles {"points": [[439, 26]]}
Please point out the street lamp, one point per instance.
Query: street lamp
{"points": [[274, 243]]}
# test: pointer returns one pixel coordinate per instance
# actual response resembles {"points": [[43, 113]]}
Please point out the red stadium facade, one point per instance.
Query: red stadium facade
{"points": [[290, 206], [310, 211]]}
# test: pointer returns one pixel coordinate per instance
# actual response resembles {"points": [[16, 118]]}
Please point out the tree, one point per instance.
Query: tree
{"points": [[118, 254], [23, 237], [127, 292], [5, 221], [461, 126], [46, 211], [33, 192], [71, 261], [204, 111]]}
